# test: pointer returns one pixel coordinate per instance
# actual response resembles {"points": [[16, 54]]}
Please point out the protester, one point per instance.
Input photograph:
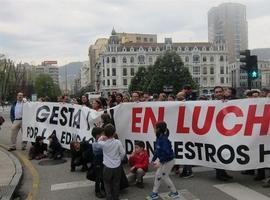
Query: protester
{"points": [[230, 93], [138, 161], [55, 150], [97, 105], [119, 98], [113, 153], [81, 154], [135, 97], [163, 161], [97, 163], [16, 113], [162, 97], [85, 101], [221, 174], [146, 97], [2, 120], [38, 149], [105, 120]]}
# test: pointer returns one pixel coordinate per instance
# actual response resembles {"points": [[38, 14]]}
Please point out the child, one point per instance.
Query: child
{"points": [[97, 162], [139, 161], [113, 153], [163, 160], [55, 148], [37, 151]]}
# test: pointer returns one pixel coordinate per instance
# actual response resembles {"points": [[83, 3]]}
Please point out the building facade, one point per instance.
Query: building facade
{"points": [[50, 69], [228, 22], [207, 62]]}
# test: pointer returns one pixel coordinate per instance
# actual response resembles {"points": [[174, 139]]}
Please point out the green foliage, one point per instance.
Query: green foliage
{"points": [[168, 70], [44, 86]]}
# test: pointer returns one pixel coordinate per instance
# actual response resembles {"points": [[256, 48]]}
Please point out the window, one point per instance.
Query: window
{"points": [[196, 58], [124, 60], [204, 59], [145, 39], [103, 82], [108, 60], [150, 60], [151, 39], [103, 73], [124, 81], [141, 59], [113, 72], [227, 70], [108, 82], [139, 38], [222, 80], [132, 72], [204, 81], [221, 58], [186, 59], [113, 60], [132, 60], [114, 82], [197, 80], [212, 81], [221, 70], [211, 59], [124, 71], [212, 71], [108, 72], [204, 70], [196, 70]]}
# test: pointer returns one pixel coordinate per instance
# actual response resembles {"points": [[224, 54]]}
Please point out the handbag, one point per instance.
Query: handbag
{"points": [[2, 120]]}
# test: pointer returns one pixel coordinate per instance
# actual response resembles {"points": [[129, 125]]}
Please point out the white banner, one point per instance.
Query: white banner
{"points": [[69, 122], [231, 135]]}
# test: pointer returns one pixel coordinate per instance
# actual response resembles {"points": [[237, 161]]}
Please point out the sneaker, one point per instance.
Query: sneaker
{"points": [[174, 195], [12, 149], [188, 175], [100, 195], [152, 196]]}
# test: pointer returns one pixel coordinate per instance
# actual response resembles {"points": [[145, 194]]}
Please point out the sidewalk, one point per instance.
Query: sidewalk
{"points": [[10, 174]]}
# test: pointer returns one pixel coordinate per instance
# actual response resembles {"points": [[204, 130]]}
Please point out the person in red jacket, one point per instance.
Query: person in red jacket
{"points": [[139, 161]]}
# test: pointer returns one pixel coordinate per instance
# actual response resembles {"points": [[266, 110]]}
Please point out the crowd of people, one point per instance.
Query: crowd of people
{"points": [[103, 159]]}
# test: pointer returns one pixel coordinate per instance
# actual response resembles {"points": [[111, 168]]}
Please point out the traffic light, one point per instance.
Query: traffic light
{"points": [[250, 65]]}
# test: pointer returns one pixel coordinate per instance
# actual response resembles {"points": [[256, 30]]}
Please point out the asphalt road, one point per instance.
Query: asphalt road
{"points": [[58, 183]]}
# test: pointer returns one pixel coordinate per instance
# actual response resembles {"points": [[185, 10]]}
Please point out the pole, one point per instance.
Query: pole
{"points": [[66, 78], [249, 82]]}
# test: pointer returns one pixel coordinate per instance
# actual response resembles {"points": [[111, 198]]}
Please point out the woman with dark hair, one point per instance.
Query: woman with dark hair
{"points": [[103, 102], [119, 98], [163, 161], [55, 149], [85, 101], [105, 119]]}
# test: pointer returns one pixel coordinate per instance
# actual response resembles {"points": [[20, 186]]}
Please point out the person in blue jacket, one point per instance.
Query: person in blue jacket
{"points": [[163, 161]]}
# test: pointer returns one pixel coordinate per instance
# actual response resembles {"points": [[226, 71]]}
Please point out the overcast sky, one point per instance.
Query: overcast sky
{"points": [[37, 30]]}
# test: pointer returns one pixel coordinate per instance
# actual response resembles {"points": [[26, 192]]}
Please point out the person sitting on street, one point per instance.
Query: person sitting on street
{"points": [[139, 161], [55, 150], [80, 155], [98, 163], [38, 149]]}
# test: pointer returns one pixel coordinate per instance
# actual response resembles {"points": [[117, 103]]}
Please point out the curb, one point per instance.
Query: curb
{"points": [[7, 192]]}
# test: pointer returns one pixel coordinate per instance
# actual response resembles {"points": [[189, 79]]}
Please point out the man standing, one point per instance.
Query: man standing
{"points": [[16, 112], [221, 174]]}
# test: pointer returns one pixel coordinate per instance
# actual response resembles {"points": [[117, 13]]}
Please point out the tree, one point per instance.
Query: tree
{"points": [[168, 70], [44, 86]]}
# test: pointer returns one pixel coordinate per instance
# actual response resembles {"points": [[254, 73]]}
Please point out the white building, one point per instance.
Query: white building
{"points": [[207, 62]]}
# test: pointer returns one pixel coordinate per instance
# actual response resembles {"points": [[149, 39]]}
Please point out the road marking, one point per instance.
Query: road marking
{"points": [[184, 195], [240, 192], [32, 195], [72, 185]]}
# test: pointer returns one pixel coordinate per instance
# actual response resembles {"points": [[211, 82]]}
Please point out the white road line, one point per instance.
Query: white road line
{"points": [[72, 185], [240, 192], [184, 195]]}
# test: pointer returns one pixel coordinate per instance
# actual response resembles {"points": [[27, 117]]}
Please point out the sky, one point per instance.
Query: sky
{"points": [[37, 30]]}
